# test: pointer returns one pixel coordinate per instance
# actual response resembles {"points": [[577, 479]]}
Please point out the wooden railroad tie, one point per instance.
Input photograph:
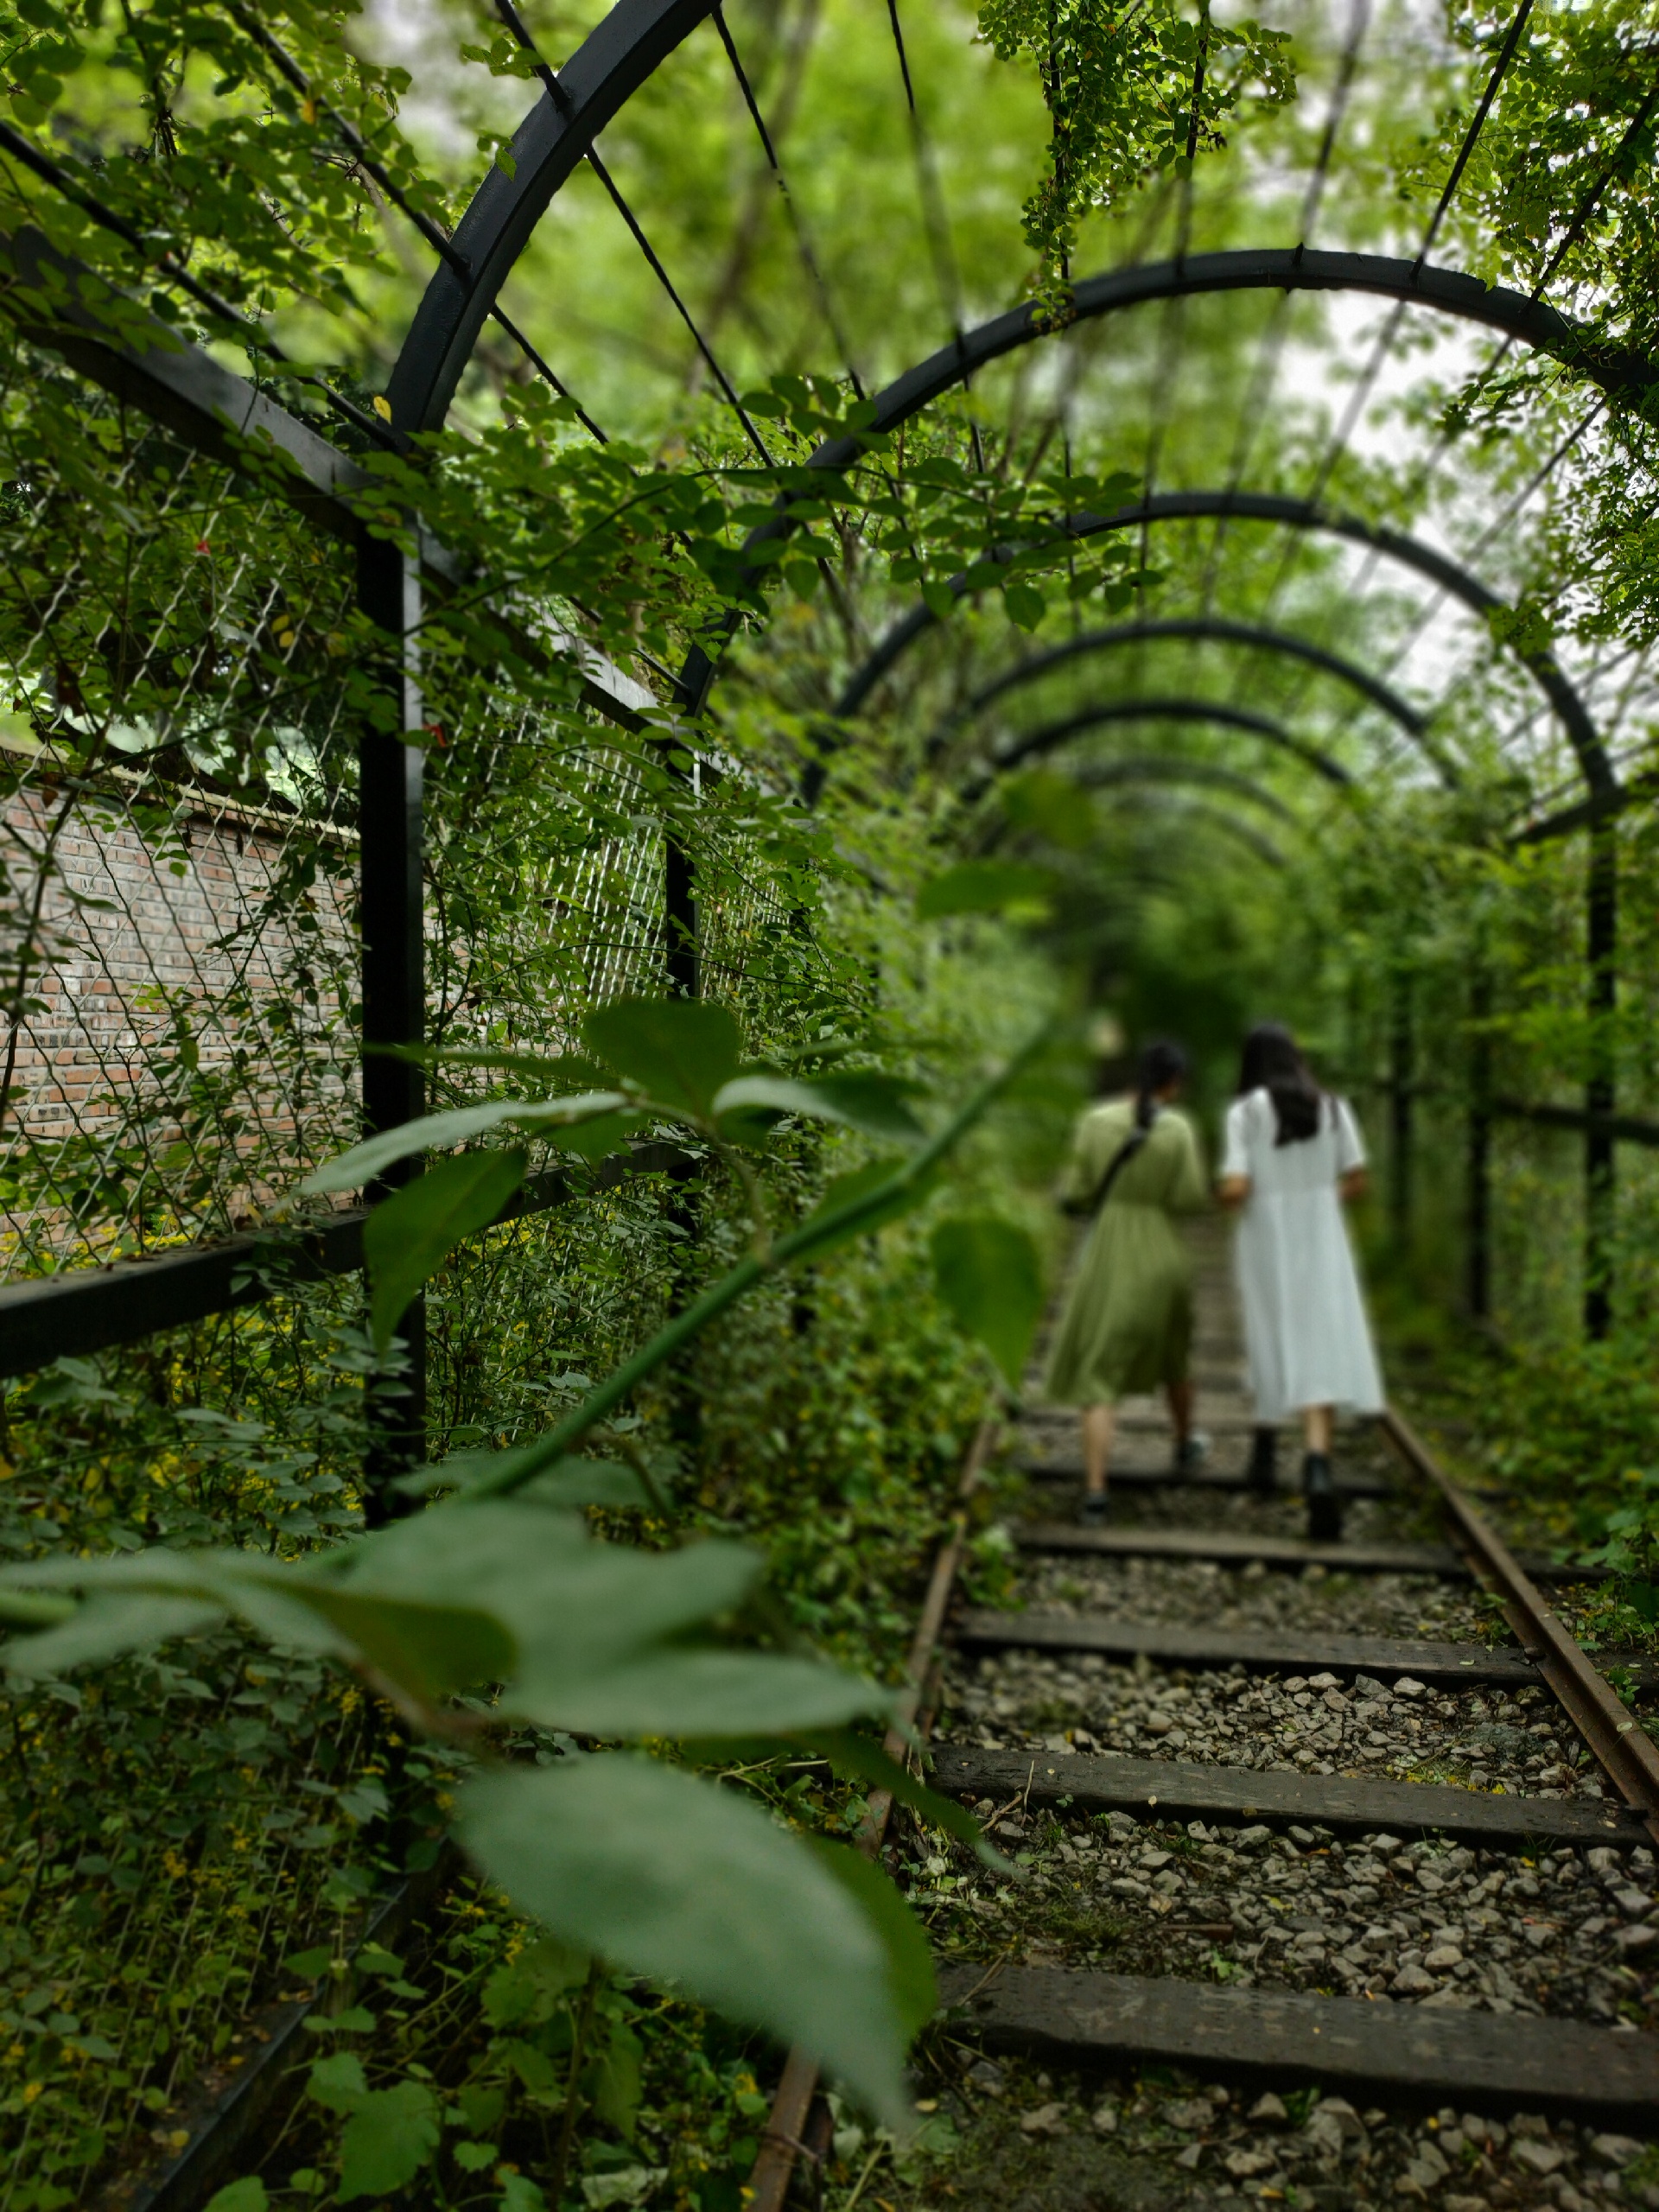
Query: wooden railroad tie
{"points": [[1416, 2054], [1226, 1548], [1172, 1789], [1070, 1470], [1287, 1651]]}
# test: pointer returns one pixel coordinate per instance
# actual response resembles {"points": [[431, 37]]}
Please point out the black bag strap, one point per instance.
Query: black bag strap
{"points": [[1121, 1160]]}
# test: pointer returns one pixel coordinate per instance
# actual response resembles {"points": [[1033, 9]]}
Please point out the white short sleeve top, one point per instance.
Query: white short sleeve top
{"points": [[1252, 1148]]}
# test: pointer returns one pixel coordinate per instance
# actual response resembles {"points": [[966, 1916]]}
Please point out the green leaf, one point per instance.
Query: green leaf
{"points": [[981, 888], [679, 1693], [1052, 805], [989, 1274], [679, 1051], [572, 1606], [681, 1881], [306, 1965], [911, 1984], [339, 2081], [106, 1628], [1026, 605], [387, 2140], [248, 2196], [939, 600], [845, 1193], [405, 1239], [597, 1140], [615, 2082], [351, 1170], [19, 1609], [849, 1754], [527, 1990], [430, 1649], [559, 1071], [869, 1101], [588, 1482], [481, 2106]]}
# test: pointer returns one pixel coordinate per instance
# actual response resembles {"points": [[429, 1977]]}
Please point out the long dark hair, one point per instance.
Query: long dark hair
{"points": [[1272, 1062], [1161, 1064]]}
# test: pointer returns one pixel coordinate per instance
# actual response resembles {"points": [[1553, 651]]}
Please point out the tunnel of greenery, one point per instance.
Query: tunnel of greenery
{"points": [[640, 644]]}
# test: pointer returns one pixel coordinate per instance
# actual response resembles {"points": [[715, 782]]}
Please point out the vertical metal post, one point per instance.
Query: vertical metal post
{"points": [[1400, 1076], [389, 774], [1600, 1092], [1479, 1222], [680, 919]]}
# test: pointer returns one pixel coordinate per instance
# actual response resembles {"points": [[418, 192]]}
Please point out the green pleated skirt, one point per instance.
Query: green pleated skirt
{"points": [[1127, 1322]]}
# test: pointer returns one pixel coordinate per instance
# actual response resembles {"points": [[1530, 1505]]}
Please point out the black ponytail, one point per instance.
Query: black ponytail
{"points": [[1272, 1062], [1161, 1064]]}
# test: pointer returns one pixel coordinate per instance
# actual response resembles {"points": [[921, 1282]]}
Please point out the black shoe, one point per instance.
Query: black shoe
{"points": [[1262, 1474], [1324, 1506], [1189, 1456], [1091, 1514]]}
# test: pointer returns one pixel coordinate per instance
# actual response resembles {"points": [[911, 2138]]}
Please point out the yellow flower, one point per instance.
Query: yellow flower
{"points": [[31, 2090]]}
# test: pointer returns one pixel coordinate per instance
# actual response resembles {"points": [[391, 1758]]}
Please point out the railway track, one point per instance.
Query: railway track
{"points": [[1329, 1894]]}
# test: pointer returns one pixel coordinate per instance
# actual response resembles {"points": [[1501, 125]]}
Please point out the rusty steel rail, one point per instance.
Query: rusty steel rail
{"points": [[784, 2139], [1627, 1754]]}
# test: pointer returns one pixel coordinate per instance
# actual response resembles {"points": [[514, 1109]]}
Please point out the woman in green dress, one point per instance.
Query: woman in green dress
{"points": [[1128, 1323]]}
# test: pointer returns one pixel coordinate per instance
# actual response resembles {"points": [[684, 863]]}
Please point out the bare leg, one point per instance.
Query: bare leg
{"points": [[1318, 1424], [1098, 1421], [1180, 1409]]}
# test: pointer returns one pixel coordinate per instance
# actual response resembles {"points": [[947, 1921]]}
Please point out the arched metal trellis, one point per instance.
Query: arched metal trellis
{"points": [[1291, 514], [224, 416], [1030, 743], [1032, 668]]}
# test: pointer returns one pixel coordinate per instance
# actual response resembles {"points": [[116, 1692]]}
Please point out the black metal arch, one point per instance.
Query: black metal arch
{"points": [[1171, 768], [1172, 808], [623, 52], [597, 82], [1133, 770], [1203, 628], [625, 48], [1031, 742], [1294, 514]]}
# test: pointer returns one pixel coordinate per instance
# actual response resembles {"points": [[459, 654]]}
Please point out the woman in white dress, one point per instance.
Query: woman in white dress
{"points": [[1293, 1154]]}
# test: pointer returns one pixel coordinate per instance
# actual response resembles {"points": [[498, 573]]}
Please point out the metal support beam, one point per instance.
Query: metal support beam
{"points": [[1291, 514], [389, 775], [1478, 1227], [1207, 629], [1601, 954], [608, 67], [1400, 1057], [1033, 742]]}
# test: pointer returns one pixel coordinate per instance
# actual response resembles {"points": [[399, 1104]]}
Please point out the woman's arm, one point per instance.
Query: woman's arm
{"points": [[1354, 1184], [1233, 1185]]}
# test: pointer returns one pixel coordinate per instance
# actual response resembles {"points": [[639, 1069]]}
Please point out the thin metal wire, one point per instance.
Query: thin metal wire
{"points": [[808, 258], [1384, 345], [1264, 375], [936, 222], [105, 217], [561, 99], [376, 169], [1593, 198]]}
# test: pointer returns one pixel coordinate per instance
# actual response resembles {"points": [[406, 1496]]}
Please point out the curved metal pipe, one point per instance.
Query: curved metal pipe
{"points": [[624, 50], [1204, 628], [1294, 514], [1159, 710], [1167, 768]]}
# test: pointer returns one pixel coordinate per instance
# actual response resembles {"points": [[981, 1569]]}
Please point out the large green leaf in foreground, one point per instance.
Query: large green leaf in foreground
{"points": [[684, 1881]]}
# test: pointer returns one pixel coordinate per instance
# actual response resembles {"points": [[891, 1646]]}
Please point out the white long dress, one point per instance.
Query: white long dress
{"points": [[1305, 1327]]}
